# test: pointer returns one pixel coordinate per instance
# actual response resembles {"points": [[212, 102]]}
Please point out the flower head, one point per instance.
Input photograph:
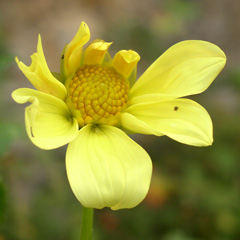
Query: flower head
{"points": [[95, 100]]}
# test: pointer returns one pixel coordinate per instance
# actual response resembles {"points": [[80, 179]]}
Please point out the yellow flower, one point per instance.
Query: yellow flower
{"points": [[95, 100]]}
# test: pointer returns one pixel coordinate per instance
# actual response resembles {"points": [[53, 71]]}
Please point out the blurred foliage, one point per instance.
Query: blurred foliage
{"points": [[234, 78], [5, 59], [136, 36], [194, 193], [2, 202], [9, 132]]}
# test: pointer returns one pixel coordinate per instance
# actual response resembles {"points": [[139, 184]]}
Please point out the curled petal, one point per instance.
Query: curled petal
{"points": [[186, 68], [106, 168], [72, 56], [180, 119], [40, 76], [48, 121], [125, 62], [95, 52]]}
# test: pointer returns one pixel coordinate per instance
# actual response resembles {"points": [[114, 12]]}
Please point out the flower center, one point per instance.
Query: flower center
{"points": [[97, 94]]}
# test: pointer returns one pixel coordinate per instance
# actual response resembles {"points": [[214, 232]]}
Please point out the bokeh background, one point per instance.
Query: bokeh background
{"points": [[195, 192]]}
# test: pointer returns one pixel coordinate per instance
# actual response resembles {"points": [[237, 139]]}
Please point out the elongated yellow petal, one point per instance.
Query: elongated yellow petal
{"points": [[155, 97], [40, 76], [125, 62], [106, 168], [186, 68], [180, 119], [48, 121], [72, 55], [135, 125], [95, 52]]}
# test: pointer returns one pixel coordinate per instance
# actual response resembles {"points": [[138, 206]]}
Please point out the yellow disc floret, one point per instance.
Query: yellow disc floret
{"points": [[97, 94]]}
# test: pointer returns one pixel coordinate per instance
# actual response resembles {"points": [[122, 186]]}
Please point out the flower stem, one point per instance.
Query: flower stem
{"points": [[87, 224]]}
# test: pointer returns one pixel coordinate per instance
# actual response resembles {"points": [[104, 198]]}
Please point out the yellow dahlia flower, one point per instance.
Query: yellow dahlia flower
{"points": [[95, 100]]}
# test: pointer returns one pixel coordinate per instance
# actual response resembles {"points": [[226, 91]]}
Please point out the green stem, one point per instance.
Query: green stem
{"points": [[87, 224]]}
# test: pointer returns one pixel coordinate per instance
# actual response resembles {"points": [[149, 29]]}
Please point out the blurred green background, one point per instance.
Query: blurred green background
{"points": [[195, 192]]}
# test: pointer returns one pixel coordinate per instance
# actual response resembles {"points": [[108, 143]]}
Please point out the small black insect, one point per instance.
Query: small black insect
{"points": [[62, 56], [176, 108]]}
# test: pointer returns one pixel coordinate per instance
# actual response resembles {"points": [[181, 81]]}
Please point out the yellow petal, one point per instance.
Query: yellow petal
{"points": [[48, 121], [186, 68], [95, 52], [106, 168], [134, 125], [180, 119], [125, 62], [40, 76], [72, 56], [155, 97]]}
